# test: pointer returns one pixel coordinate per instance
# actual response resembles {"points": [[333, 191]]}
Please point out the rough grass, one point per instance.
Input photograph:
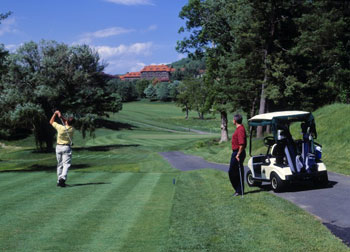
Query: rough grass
{"points": [[210, 219]]}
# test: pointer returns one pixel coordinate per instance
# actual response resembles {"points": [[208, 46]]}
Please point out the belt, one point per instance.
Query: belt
{"points": [[235, 150], [64, 144]]}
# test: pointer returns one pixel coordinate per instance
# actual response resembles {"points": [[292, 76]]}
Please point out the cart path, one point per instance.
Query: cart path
{"points": [[331, 205]]}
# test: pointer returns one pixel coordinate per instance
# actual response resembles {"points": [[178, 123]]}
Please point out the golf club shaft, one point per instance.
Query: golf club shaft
{"points": [[240, 178]]}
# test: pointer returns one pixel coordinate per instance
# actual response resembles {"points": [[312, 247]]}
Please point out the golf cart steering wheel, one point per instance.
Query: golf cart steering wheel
{"points": [[269, 141]]}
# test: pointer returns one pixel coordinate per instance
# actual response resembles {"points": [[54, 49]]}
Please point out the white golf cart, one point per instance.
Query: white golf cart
{"points": [[286, 160]]}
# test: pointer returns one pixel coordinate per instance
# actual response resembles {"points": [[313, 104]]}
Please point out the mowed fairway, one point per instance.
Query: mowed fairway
{"points": [[97, 212], [123, 196]]}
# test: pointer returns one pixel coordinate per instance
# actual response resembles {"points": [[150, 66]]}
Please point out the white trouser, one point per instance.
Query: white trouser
{"points": [[64, 159]]}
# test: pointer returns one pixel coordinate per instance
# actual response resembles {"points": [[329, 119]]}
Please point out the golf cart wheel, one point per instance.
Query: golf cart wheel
{"points": [[277, 183], [250, 180]]}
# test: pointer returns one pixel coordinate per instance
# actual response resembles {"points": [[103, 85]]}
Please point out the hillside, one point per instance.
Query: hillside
{"points": [[333, 128]]}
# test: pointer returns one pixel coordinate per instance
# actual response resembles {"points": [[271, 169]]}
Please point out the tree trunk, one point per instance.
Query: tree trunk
{"points": [[259, 131], [186, 112], [224, 132], [252, 111], [267, 51], [262, 107]]}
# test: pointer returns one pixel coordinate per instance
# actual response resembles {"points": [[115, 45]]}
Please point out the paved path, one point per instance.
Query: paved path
{"points": [[331, 205]]}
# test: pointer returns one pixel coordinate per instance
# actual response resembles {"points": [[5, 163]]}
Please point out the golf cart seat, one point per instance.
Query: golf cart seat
{"points": [[277, 151]]}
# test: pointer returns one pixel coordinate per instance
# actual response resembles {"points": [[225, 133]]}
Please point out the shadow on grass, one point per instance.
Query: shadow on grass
{"points": [[262, 188], [105, 147], [47, 168], [108, 124], [87, 184]]}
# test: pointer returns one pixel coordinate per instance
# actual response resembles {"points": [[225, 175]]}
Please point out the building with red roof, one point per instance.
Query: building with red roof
{"points": [[160, 72], [131, 76]]}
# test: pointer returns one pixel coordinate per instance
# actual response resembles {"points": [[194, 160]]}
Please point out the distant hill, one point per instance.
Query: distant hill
{"points": [[187, 68], [189, 64]]}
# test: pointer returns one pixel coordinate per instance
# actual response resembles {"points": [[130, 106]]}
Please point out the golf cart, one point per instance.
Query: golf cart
{"points": [[286, 160]]}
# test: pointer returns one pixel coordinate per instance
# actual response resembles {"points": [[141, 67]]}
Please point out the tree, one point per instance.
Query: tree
{"points": [[173, 89], [183, 98], [208, 23], [3, 51], [125, 89], [150, 92], [141, 85], [198, 93], [50, 75], [162, 91], [323, 52]]}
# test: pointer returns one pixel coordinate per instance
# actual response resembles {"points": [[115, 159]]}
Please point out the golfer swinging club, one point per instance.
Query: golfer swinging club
{"points": [[63, 147], [239, 142]]}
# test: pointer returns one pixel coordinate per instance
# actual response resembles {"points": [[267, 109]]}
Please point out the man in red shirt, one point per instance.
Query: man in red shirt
{"points": [[239, 142]]}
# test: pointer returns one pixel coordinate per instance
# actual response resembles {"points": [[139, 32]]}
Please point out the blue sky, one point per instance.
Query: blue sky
{"points": [[128, 34]]}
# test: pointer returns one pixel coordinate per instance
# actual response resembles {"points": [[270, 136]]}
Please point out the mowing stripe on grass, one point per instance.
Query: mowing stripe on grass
{"points": [[50, 215], [121, 214], [28, 182], [26, 199], [150, 231], [12, 179]]}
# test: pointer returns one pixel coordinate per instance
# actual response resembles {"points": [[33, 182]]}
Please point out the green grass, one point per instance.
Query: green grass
{"points": [[99, 212], [208, 219], [167, 115], [123, 198]]}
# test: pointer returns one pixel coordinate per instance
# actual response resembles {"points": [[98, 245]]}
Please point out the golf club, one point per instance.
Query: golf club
{"points": [[240, 177]]}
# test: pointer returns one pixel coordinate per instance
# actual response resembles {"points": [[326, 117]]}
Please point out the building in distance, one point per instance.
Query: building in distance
{"points": [[160, 72], [131, 76]]}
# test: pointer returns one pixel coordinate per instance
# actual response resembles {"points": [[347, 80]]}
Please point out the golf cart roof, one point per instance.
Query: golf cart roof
{"points": [[270, 116], [282, 116], [282, 120]]}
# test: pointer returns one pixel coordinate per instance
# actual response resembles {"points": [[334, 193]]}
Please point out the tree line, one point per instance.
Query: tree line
{"points": [[264, 56], [41, 77]]}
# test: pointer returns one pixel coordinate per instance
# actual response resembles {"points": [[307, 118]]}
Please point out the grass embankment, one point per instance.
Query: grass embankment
{"points": [[333, 128], [122, 196]]}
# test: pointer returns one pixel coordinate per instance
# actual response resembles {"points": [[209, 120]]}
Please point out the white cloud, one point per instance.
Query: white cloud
{"points": [[164, 63], [88, 37], [125, 58], [7, 26], [131, 2], [12, 47], [124, 65], [152, 28], [107, 52], [137, 67]]}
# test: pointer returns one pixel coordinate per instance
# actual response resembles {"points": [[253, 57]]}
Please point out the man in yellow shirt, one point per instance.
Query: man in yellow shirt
{"points": [[63, 147]]}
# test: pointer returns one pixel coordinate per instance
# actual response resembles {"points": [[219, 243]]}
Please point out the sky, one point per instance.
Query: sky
{"points": [[128, 34]]}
